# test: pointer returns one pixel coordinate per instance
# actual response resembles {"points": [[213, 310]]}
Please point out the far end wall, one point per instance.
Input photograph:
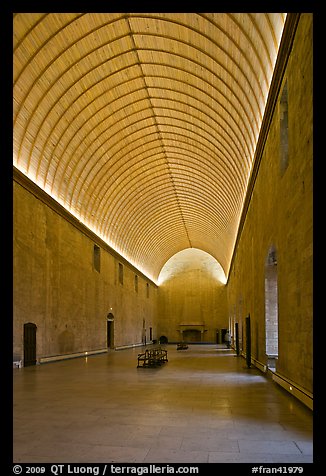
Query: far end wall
{"points": [[192, 304]]}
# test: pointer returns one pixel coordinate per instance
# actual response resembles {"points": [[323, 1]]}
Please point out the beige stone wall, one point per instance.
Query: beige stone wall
{"points": [[192, 300], [280, 215], [57, 287]]}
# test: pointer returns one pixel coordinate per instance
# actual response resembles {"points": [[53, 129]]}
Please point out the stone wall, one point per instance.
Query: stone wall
{"points": [[57, 286], [280, 216], [192, 301]]}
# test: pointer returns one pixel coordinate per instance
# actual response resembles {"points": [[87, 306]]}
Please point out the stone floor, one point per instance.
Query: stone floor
{"points": [[203, 406]]}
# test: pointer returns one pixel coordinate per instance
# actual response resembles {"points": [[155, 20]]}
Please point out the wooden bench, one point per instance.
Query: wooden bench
{"points": [[182, 346], [152, 357]]}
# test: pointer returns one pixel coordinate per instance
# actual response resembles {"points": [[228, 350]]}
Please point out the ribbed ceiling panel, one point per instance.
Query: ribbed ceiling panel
{"points": [[144, 126]]}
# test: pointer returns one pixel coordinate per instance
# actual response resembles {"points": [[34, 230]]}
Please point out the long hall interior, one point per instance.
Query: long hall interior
{"points": [[163, 201]]}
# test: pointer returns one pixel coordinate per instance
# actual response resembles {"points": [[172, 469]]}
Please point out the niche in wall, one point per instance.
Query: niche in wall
{"points": [[271, 308]]}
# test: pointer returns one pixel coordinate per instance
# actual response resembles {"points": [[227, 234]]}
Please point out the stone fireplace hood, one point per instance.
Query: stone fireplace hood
{"points": [[200, 326], [189, 330]]}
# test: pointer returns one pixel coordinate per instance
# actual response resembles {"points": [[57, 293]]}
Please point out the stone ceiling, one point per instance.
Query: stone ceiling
{"points": [[144, 126]]}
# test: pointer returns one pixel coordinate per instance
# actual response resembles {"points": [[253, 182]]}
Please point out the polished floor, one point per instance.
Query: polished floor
{"points": [[202, 406]]}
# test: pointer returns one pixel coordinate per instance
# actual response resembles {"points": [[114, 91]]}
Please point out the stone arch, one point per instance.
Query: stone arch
{"points": [[271, 308]]}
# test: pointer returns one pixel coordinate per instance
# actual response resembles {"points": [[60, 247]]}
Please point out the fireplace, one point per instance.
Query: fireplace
{"points": [[191, 335], [192, 332]]}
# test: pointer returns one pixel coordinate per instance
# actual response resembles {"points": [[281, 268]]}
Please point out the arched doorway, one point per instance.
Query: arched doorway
{"points": [[110, 331], [29, 344], [271, 308]]}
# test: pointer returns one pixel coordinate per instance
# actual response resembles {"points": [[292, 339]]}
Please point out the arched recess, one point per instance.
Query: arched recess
{"points": [[271, 308], [110, 331]]}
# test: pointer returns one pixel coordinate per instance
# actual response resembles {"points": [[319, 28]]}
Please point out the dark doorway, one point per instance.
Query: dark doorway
{"points": [[109, 331], [223, 332], [29, 344]]}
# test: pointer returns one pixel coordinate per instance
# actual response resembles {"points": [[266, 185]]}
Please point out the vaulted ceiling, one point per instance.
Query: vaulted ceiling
{"points": [[145, 125]]}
